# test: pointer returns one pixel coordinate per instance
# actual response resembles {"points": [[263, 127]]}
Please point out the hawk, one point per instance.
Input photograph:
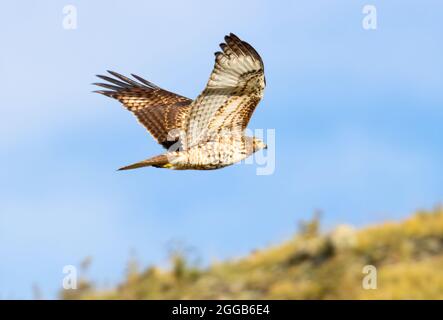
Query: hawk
{"points": [[205, 133]]}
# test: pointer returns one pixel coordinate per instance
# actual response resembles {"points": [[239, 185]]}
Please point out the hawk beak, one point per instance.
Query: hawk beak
{"points": [[266, 147]]}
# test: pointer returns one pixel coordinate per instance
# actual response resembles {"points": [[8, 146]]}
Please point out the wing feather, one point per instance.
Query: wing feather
{"points": [[234, 89], [158, 110]]}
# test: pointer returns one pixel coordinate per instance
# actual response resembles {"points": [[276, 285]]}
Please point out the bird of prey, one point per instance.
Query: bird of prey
{"points": [[205, 133]]}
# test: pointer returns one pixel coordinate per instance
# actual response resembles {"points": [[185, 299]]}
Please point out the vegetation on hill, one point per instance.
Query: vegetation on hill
{"points": [[408, 257]]}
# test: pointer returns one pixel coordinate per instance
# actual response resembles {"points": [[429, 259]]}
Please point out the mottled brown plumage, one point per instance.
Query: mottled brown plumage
{"points": [[158, 110], [210, 129]]}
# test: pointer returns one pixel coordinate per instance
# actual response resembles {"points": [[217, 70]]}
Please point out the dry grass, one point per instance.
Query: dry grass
{"points": [[408, 256]]}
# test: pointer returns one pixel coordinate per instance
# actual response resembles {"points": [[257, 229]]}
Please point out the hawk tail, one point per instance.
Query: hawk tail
{"points": [[160, 161]]}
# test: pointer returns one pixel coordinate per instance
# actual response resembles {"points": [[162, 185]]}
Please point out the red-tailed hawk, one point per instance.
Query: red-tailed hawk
{"points": [[205, 133]]}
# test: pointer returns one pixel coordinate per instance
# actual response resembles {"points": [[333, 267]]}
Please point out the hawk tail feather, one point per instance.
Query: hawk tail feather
{"points": [[160, 161]]}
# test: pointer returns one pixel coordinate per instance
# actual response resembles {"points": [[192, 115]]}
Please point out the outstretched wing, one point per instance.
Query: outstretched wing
{"points": [[158, 110], [234, 89]]}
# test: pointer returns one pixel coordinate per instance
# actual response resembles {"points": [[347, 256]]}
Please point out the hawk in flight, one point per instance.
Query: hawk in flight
{"points": [[205, 133]]}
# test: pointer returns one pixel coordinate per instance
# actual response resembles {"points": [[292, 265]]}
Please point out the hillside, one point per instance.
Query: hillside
{"points": [[408, 256]]}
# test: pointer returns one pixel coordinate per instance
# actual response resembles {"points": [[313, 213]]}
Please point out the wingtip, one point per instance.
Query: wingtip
{"points": [[144, 81], [100, 76], [104, 92]]}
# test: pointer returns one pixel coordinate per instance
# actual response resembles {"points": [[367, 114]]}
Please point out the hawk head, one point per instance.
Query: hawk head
{"points": [[258, 144], [254, 144]]}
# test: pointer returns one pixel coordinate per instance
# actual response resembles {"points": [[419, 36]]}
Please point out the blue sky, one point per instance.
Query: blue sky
{"points": [[357, 115]]}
